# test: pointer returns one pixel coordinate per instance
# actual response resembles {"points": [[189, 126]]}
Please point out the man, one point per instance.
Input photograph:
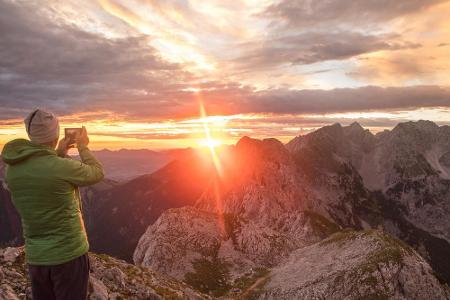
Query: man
{"points": [[44, 188]]}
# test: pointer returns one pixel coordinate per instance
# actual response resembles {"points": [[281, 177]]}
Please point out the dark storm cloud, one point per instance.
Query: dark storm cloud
{"points": [[311, 47], [319, 13]]}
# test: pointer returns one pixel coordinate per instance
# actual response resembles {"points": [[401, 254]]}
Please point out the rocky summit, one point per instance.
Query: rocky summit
{"points": [[353, 265]]}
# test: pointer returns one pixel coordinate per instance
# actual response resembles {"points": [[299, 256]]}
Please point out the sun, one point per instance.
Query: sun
{"points": [[210, 142]]}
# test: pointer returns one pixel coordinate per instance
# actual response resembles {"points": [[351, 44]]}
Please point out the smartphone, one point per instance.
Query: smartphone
{"points": [[71, 134]]}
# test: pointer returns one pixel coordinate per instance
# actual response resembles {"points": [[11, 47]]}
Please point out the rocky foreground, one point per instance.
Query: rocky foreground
{"points": [[347, 265], [110, 279]]}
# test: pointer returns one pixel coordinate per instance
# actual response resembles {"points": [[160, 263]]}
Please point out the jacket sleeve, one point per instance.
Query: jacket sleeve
{"points": [[88, 171]]}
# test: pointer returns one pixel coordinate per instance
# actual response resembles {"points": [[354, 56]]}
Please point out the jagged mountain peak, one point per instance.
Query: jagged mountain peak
{"points": [[334, 129], [261, 150], [356, 130], [327, 135], [421, 129], [247, 142], [420, 124], [413, 146], [334, 137], [356, 125]]}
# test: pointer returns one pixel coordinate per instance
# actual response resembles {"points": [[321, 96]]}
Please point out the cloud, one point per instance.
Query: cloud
{"points": [[63, 68], [44, 63], [312, 47], [343, 13], [429, 64], [315, 32], [368, 98]]}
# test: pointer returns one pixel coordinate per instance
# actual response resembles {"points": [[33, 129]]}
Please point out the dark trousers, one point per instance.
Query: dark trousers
{"points": [[68, 281]]}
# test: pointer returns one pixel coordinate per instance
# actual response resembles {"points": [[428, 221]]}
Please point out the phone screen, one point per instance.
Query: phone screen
{"points": [[71, 134]]}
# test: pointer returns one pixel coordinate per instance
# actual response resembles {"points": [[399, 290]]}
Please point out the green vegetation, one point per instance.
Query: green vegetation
{"points": [[341, 237], [209, 276], [389, 251], [139, 275], [165, 293], [245, 282], [321, 225], [447, 289], [256, 291], [231, 224]]}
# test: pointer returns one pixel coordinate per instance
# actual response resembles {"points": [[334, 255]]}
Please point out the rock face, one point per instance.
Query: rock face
{"points": [[110, 279], [252, 216], [408, 164], [353, 265], [268, 200], [404, 174]]}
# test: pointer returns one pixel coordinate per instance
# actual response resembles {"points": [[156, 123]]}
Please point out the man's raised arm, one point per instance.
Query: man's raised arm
{"points": [[87, 172]]}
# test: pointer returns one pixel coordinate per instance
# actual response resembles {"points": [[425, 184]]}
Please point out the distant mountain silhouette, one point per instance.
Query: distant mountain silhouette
{"points": [[126, 164]]}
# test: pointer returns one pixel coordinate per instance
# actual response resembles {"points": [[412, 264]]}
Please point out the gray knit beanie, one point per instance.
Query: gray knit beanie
{"points": [[42, 127]]}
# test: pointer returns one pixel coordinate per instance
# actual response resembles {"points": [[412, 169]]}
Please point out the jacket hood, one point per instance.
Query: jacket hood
{"points": [[18, 150]]}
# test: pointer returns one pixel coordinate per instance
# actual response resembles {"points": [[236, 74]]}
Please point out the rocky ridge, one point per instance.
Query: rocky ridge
{"points": [[110, 278], [354, 265], [248, 218], [270, 200], [404, 174]]}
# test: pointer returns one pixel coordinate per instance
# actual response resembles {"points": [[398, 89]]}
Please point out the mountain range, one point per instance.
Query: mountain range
{"points": [[337, 213], [126, 164]]}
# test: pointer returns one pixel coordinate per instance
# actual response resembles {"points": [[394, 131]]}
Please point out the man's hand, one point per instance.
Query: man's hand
{"points": [[82, 139], [63, 147]]}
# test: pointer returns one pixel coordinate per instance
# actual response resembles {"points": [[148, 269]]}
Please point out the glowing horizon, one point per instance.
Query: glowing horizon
{"points": [[131, 71], [116, 133]]}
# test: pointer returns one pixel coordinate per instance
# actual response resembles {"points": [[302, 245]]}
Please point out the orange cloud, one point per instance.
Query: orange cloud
{"points": [[429, 64]]}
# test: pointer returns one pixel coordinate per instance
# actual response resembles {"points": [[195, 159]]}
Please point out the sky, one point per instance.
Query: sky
{"points": [[155, 74]]}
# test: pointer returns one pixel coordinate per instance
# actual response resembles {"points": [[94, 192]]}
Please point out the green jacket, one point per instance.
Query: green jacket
{"points": [[44, 189]]}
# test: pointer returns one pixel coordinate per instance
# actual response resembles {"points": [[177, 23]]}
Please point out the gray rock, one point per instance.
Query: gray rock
{"points": [[115, 275], [98, 291], [10, 254], [274, 200], [353, 265], [108, 274], [7, 293]]}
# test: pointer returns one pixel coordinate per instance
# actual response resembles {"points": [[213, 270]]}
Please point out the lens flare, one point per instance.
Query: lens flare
{"points": [[211, 143]]}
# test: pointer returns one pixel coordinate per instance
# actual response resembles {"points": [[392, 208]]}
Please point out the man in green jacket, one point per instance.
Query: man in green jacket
{"points": [[44, 187]]}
